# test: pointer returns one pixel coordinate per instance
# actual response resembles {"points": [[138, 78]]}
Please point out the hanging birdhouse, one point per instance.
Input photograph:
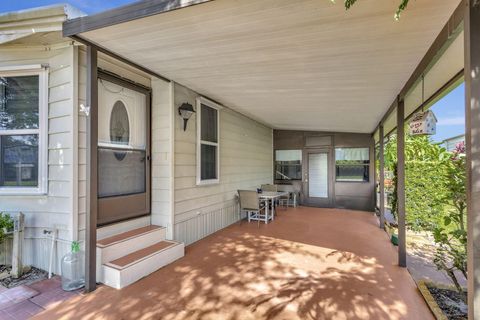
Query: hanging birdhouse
{"points": [[423, 123]]}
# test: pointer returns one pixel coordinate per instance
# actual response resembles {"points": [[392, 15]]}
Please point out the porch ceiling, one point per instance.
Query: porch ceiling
{"points": [[304, 64]]}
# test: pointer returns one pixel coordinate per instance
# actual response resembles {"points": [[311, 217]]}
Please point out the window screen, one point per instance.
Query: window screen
{"points": [[19, 131], [288, 164], [352, 164], [208, 144]]}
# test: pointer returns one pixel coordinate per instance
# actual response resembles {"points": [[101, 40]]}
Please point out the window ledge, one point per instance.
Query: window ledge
{"points": [[208, 182], [22, 192]]}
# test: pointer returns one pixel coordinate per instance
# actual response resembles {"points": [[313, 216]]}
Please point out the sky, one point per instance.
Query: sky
{"points": [[87, 6], [450, 113]]}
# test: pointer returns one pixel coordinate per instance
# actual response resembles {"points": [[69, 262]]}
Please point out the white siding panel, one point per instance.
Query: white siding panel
{"points": [[162, 155], [245, 163], [53, 210]]}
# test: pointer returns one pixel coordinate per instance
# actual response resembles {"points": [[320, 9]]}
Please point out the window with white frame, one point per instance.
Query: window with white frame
{"points": [[208, 137], [23, 105]]}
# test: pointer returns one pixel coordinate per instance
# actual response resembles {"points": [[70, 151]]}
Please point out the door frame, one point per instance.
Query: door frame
{"points": [[133, 205], [313, 201]]}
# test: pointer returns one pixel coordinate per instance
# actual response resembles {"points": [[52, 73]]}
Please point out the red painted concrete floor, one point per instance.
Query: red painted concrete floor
{"points": [[25, 301], [308, 264]]}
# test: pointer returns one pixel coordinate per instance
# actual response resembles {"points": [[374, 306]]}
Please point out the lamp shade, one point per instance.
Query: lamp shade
{"points": [[186, 110]]}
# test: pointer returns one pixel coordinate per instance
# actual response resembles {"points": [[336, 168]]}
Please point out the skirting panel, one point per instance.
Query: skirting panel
{"points": [[195, 228]]}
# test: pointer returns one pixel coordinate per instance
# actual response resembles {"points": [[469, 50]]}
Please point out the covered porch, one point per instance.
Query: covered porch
{"points": [[311, 263], [305, 68]]}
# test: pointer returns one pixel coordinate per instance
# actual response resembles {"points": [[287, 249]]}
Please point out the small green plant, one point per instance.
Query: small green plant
{"points": [[6, 223], [75, 246]]}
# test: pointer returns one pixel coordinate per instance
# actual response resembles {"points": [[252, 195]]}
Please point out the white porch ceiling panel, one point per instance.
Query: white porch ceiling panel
{"points": [[305, 64]]}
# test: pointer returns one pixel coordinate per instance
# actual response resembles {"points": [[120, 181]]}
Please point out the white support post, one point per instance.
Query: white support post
{"points": [[381, 160]]}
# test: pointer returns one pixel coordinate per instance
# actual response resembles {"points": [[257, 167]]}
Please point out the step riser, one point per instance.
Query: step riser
{"points": [[125, 247], [121, 278]]}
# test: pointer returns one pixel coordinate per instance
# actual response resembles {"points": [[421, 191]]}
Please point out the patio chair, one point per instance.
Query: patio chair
{"points": [[290, 199], [250, 203]]}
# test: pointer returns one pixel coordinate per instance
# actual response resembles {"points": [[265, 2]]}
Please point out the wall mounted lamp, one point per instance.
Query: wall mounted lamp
{"points": [[185, 111]]}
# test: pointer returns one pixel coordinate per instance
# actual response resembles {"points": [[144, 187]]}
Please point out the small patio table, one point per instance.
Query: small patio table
{"points": [[268, 196]]}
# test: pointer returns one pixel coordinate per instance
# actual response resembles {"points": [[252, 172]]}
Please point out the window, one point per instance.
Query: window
{"points": [[352, 164], [23, 101], [208, 120], [288, 164]]}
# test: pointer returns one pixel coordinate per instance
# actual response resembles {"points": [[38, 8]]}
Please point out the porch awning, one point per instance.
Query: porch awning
{"points": [[306, 64]]}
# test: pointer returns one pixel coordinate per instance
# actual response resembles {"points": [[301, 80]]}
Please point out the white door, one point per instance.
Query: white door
{"points": [[318, 175], [123, 151], [317, 183]]}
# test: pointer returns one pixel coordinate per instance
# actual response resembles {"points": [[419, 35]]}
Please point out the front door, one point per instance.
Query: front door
{"points": [[123, 150], [317, 186]]}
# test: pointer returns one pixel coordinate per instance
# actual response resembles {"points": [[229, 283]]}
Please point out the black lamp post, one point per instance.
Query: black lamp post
{"points": [[185, 111]]}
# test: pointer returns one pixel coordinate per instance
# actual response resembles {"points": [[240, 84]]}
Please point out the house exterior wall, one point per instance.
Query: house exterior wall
{"points": [[451, 143], [163, 115], [57, 208], [245, 163], [122, 70], [349, 195]]}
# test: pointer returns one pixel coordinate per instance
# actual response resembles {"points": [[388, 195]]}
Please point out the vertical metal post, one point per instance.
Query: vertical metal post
{"points": [[381, 160], [92, 142], [402, 250], [375, 177], [472, 115]]}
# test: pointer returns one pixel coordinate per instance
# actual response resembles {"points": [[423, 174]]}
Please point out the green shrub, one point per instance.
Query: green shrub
{"points": [[6, 223], [425, 180]]}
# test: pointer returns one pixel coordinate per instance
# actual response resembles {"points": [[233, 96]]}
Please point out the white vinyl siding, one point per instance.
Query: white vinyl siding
{"points": [[55, 208], [163, 114], [246, 162]]}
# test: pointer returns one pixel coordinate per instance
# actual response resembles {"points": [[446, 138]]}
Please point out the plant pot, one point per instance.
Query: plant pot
{"points": [[394, 239]]}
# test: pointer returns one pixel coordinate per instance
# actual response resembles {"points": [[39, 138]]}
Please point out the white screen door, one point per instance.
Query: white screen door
{"points": [[123, 151], [318, 175]]}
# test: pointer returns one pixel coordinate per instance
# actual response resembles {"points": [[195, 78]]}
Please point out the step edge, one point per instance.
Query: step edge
{"points": [[120, 268], [101, 246]]}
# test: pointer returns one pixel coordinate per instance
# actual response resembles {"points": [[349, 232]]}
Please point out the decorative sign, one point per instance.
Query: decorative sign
{"points": [[423, 123]]}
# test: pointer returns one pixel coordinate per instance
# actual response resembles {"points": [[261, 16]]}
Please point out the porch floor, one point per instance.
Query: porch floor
{"points": [[309, 263]]}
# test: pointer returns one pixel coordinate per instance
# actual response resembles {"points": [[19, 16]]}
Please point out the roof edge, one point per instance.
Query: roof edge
{"points": [[125, 13], [67, 10]]}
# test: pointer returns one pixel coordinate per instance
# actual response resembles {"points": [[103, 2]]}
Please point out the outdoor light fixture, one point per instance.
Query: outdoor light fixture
{"points": [[185, 111]]}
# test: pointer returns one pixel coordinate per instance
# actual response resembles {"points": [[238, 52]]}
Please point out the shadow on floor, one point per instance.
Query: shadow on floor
{"points": [[309, 263]]}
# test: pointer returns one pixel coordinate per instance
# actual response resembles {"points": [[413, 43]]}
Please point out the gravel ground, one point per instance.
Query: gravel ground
{"points": [[451, 302], [31, 276]]}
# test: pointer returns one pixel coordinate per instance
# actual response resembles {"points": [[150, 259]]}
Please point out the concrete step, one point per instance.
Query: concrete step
{"points": [[130, 268], [122, 244]]}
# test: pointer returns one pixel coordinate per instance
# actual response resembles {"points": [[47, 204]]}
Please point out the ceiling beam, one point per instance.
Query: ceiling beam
{"points": [[125, 13]]}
